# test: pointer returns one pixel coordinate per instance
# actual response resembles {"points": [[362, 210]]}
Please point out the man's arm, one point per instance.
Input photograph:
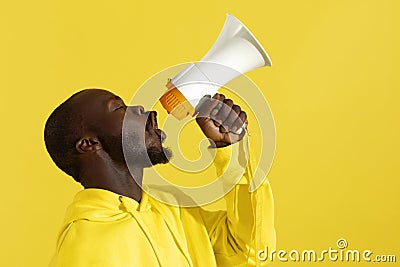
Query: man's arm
{"points": [[248, 223]]}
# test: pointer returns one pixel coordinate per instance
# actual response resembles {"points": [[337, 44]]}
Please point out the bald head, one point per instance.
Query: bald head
{"points": [[68, 123], [60, 134]]}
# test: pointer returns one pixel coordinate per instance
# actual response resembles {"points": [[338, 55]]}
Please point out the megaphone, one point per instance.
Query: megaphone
{"points": [[235, 52]]}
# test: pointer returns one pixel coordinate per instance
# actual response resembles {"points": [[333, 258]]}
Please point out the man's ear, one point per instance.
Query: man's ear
{"points": [[88, 144]]}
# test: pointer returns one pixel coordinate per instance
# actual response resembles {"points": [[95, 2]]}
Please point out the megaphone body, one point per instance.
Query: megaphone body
{"points": [[235, 52]]}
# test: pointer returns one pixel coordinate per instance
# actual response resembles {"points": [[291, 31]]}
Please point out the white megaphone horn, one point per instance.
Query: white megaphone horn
{"points": [[236, 51]]}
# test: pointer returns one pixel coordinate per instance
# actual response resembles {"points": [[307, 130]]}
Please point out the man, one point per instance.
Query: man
{"points": [[113, 223]]}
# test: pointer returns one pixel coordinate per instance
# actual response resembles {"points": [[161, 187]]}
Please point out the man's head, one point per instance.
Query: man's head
{"points": [[89, 125]]}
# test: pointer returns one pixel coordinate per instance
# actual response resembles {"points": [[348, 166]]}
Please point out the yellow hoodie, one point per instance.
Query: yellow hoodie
{"points": [[104, 229]]}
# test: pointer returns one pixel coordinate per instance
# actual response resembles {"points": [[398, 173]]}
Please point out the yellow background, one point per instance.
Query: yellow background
{"points": [[333, 90]]}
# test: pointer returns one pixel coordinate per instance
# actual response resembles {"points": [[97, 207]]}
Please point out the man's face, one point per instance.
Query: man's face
{"points": [[122, 129]]}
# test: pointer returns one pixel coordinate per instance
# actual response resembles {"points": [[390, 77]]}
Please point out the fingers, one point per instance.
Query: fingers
{"points": [[220, 99], [207, 105], [240, 122], [225, 114], [231, 118], [219, 119]]}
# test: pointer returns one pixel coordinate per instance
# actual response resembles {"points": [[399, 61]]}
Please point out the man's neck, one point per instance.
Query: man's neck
{"points": [[113, 177]]}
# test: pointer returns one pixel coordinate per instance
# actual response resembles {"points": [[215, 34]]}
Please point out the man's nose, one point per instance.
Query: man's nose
{"points": [[139, 110]]}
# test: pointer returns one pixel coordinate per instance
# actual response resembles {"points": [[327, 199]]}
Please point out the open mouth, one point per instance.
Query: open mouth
{"points": [[152, 124], [152, 120]]}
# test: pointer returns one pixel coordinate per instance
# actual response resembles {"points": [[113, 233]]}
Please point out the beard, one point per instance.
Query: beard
{"points": [[131, 153], [159, 156]]}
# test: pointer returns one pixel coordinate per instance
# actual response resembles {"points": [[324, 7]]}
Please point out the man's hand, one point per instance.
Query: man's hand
{"points": [[220, 119]]}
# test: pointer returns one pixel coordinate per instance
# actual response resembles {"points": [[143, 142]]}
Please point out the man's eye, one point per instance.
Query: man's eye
{"points": [[120, 107]]}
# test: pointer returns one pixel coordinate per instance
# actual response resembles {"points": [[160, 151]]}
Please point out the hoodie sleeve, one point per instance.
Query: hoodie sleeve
{"points": [[247, 225]]}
